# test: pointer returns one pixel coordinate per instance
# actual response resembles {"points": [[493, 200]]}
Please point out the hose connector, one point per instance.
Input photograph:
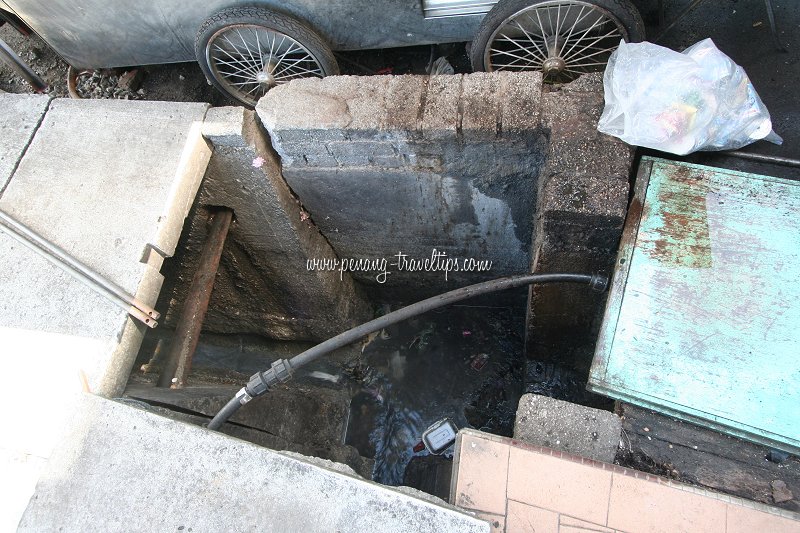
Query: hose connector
{"points": [[261, 382], [599, 282]]}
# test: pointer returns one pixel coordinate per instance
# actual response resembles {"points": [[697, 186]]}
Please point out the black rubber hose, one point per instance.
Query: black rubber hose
{"points": [[352, 335], [597, 281], [225, 413]]}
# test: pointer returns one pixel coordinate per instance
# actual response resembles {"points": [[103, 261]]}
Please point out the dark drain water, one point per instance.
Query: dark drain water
{"points": [[463, 363]]}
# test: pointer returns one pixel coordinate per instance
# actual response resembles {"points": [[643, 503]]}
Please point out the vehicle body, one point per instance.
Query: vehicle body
{"points": [[120, 33], [247, 47]]}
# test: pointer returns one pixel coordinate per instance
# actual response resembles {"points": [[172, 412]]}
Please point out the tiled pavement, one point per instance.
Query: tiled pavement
{"points": [[524, 488]]}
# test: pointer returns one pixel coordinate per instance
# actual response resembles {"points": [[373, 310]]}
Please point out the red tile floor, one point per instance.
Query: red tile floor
{"points": [[518, 487]]}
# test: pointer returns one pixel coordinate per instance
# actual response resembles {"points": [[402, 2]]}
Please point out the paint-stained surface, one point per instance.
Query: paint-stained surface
{"points": [[702, 320]]}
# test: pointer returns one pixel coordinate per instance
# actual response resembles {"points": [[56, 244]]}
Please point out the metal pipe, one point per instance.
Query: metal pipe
{"points": [[281, 370], [187, 332], [682, 14], [773, 28], [81, 272], [8, 56], [789, 162]]}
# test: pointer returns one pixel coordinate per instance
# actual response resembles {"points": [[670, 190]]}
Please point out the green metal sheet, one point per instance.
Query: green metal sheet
{"points": [[703, 316]]}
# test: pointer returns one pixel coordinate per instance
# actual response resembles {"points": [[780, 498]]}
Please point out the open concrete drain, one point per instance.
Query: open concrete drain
{"points": [[366, 405], [470, 173]]}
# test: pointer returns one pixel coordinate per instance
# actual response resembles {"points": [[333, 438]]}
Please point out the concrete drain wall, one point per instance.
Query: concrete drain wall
{"points": [[490, 167], [409, 164]]}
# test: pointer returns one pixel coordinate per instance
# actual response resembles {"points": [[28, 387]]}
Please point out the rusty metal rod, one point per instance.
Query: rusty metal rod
{"points": [[21, 68], [187, 332]]}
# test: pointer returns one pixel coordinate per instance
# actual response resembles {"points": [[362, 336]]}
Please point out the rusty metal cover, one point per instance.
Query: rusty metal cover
{"points": [[703, 317]]}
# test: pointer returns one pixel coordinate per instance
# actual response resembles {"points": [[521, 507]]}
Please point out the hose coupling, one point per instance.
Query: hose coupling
{"points": [[599, 282], [261, 382]]}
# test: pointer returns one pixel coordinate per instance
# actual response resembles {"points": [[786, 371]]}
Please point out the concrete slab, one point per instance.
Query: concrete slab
{"points": [[124, 469], [582, 203], [566, 426], [426, 160], [20, 116], [111, 182], [98, 165]]}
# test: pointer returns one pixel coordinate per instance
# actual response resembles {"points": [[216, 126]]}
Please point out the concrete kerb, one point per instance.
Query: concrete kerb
{"points": [[425, 154], [119, 214], [209, 482], [582, 202], [119, 217], [566, 426]]}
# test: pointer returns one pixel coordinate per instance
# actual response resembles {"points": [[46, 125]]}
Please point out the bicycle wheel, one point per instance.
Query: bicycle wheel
{"points": [[245, 52], [561, 38]]}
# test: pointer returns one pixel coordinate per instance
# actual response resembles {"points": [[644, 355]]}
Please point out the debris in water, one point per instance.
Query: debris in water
{"points": [[479, 361], [367, 340], [439, 436], [397, 364], [466, 333], [441, 66], [425, 336], [777, 456], [258, 162], [422, 374], [324, 376], [375, 392]]}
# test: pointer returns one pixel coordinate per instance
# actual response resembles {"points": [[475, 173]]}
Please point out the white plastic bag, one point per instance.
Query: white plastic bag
{"points": [[681, 102]]}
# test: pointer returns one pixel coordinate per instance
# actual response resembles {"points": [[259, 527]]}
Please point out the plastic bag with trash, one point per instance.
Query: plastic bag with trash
{"points": [[681, 102]]}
